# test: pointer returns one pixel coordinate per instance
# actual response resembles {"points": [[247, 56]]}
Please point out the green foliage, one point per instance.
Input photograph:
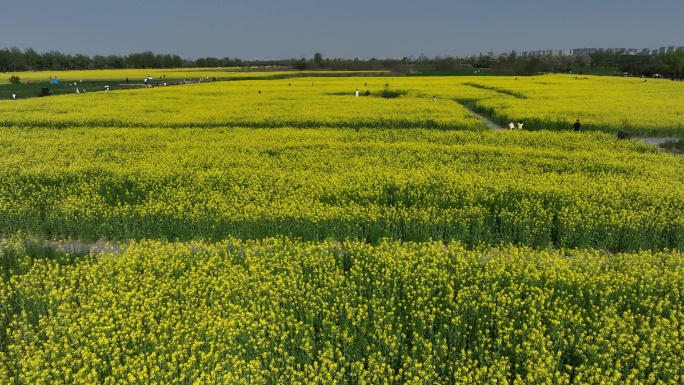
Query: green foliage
{"points": [[675, 63], [318, 58], [14, 79]]}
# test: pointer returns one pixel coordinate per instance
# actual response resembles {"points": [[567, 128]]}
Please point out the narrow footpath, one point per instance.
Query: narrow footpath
{"points": [[489, 123], [657, 141], [649, 140]]}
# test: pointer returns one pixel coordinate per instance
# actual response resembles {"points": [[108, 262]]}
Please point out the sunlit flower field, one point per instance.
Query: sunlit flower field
{"points": [[285, 231]]}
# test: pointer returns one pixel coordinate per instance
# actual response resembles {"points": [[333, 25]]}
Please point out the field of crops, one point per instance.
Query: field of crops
{"points": [[279, 311], [644, 108], [639, 106], [285, 231], [534, 189]]}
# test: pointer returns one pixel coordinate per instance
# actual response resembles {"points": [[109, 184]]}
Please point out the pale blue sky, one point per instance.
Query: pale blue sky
{"points": [[342, 28]]}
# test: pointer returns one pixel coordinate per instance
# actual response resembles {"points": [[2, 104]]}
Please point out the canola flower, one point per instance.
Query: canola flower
{"points": [[549, 102], [324, 238], [334, 312], [535, 189], [283, 103]]}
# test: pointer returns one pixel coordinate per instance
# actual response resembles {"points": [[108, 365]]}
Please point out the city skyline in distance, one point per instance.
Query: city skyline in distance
{"points": [[274, 29]]}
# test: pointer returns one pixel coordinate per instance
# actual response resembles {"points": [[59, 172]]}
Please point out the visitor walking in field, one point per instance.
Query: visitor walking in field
{"points": [[356, 93], [520, 124], [577, 126], [511, 125]]}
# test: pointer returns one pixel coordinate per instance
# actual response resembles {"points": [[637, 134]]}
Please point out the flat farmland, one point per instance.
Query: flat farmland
{"points": [[284, 230]]}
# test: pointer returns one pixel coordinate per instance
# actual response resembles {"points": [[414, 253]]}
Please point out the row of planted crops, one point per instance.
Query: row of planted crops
{"points": [[286, 231]]}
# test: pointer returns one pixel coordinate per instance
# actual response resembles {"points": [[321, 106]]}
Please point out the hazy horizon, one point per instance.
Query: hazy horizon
{"points": [[275, 29]]}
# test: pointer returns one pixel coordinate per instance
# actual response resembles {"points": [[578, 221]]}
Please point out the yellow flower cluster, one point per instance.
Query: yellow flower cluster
{"points": [[288, 99], [301, 102], [281, 311], [537, 189], [391, 240]]}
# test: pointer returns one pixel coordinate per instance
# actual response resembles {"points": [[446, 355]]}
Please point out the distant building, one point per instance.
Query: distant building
{"points": [[662, 50], [645, 51], [670, 49]]}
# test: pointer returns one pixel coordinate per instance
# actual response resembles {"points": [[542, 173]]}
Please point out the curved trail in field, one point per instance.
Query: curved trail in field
{"points": [[648, 140], [657, 141], [487, 121]]}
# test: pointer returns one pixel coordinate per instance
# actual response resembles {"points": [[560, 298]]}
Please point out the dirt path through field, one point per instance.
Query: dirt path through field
{"points": [[657, 141], [654, 141], [75, 247], [487, 121]]}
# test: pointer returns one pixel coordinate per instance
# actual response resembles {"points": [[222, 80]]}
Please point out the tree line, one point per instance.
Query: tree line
{"points": [[669, 65], [14, 59]]}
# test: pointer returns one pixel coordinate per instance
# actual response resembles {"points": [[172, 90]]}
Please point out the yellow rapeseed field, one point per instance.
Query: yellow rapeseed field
{"points": [[278, 229], [550, 102], [643, 107], [278, 311], [529, 188]]}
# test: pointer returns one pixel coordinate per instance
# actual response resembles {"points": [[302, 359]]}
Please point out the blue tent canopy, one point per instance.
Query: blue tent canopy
{"points": [[54, 80]]}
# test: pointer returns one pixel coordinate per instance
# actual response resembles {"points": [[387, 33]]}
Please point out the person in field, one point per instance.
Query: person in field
{"points": [[511, 125], [520, 124], [577, 126], [356, 93]]}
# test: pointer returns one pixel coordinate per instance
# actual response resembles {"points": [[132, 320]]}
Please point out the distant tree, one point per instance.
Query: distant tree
{"points": [[4, 59], [116, 61], [81, 61], [32, 59], [141, 60], [449, 64], [213, 62], [483, 61], [99, 62], [583, 60], [16, 59], [318, 58], [533, 65], [674, 62], [300, 65], [53, 60]]}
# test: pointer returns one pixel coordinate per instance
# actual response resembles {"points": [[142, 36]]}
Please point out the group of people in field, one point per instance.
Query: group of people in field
{"points": [[511, 125]]}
